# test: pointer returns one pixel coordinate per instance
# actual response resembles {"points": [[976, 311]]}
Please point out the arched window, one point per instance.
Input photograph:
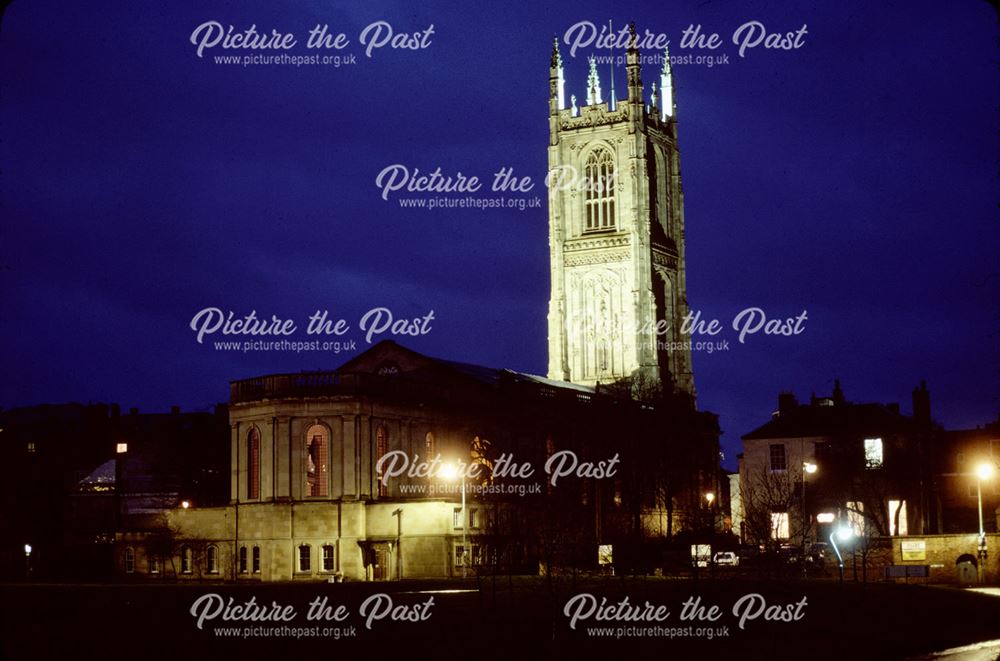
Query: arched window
{"points": [[317, 461], [255, 566], [129, 560], [243, 560], [381, 448], [305, 556], [212, 559], [186, 557], [600, 191], [253, 464]]}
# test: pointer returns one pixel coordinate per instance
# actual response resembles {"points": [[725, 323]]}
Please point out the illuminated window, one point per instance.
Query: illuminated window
{"points": [[456, 518], [381, 448], [253, 464], [304, 558], [873, 453], [154, 563], [256, 560], [212, 560], [186, 557], [32, 447], [129, 560], [778, 460], [779, 525], [328, 557], [600, 193], [901, 506], [243, 560], [121, 448], [317, 477]]}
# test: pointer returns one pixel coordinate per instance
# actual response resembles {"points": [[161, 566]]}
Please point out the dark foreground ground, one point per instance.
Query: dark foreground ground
{"points": [[523, 617]]}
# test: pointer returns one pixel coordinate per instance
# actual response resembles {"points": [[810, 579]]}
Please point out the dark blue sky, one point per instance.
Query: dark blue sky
{"points": [[854, 178]]}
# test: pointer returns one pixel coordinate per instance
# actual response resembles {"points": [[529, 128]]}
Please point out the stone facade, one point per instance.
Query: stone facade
{"points": [[616, 235]]}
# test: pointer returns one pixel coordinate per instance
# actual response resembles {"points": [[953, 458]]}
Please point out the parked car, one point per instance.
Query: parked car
{"points": [[726, 559]]}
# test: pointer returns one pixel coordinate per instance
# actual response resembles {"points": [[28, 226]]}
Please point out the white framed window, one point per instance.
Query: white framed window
{"points": [[129, 560], [873, 453], [473, 518], [779, 461], [212, 559], [255, 566], [154, 563], [779, 525], [456, 518], [329, 557], [186, 559], [305, 557], [243, 560]]}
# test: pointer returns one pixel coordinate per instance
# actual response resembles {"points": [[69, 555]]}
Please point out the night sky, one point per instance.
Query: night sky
{"points": [[854, 178]]}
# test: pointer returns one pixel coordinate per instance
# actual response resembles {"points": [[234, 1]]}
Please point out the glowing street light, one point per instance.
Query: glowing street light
{"points": [[27, 562], [843, 533], [984, 471], [185, 504], [710, 497], [807, 467], [449, 472]]}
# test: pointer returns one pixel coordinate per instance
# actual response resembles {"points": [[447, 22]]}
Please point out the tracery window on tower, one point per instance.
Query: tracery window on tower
{"points": [[600, 191]]}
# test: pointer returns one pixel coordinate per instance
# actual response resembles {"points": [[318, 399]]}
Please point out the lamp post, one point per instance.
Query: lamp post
{"points": [[843, 533], [807, 467], [984, 471], [27, 562], [449, 471]]}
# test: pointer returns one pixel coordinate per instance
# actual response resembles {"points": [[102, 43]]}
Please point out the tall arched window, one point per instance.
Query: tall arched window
{"points": [[186, 558], [129, 560], [317, 461], [253, 464], [381, 448], [212, 559], [600, 193]]}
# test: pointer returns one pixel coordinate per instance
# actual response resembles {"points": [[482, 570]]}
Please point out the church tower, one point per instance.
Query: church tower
{"points": [[616, 232]]}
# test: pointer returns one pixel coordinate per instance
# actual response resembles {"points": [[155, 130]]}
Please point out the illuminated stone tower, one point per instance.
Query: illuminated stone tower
{"points": [[616, 234]]}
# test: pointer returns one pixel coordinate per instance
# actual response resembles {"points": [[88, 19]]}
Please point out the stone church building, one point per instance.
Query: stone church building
{"points": [[312, 496]]}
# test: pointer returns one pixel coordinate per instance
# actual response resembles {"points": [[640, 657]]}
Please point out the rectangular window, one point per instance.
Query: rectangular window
{"points": [[472, 555], [154, 564], [473, 518], [778, 461], [304, 558], [243, 559], [328, 558], [256, 559], [456, 518], [32, 447], [129, 560], [901, 506], [779, 525], [121, 448], [873, 453]]}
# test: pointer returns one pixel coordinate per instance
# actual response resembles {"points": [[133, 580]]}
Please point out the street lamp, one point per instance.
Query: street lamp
{"points": [[450, 472], [984, 471], [843, 533], [807, 467], [27, 562]]}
